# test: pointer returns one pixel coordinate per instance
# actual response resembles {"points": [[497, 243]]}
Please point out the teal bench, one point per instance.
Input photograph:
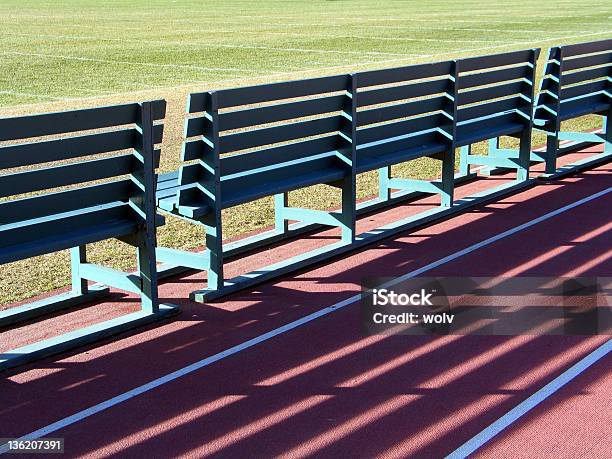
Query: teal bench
{"points": [[248, 143], [576, 81], [406, 114], [74, 178], [495, 98]]}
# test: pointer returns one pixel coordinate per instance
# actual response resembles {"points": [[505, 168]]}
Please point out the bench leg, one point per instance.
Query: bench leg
{"points": [[281, 225], [349, 206], [552, 147], [214, 248], [79, 294], [147, 270], [78, 255], [464, 165], [448, 179], [607, 132], [493, 149], [524, 157], [384, 173]]}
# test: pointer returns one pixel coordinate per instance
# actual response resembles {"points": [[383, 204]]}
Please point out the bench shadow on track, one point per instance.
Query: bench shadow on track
{"points": [[331, 392]]}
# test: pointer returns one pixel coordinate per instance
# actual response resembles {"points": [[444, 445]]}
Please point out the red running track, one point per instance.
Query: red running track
{"points": [[323, 389]]}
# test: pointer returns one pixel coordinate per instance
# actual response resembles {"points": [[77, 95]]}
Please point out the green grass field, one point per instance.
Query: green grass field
{"points": [[59, 54]]}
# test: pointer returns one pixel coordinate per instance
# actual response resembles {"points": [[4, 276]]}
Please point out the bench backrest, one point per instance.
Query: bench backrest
{"points": [[246, 130], [577, 79], [493, 90], [401, 108], [57, 164]]}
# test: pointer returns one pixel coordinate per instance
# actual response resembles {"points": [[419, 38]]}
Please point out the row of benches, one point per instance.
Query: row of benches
{"points": [[247, 143]]}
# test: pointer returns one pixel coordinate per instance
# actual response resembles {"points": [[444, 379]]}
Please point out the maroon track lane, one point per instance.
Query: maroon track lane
{"points": [[574, 422], [324, 389]]}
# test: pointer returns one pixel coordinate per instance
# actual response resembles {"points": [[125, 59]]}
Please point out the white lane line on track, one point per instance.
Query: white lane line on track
{"points": [[530, 403], [88, 412]]}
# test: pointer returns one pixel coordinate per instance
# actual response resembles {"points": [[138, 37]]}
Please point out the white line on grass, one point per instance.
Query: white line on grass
{"points": [[205, 45], [354, 66], [530, 403], [38, 96], [88, 412], [278, 32], [263, 33], [111, 61], [364, 21]]}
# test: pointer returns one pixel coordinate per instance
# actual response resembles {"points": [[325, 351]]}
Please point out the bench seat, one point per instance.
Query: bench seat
{"points": [[244, 187], [66, 230], [466, 134], [576, 108], [84, 228], [372, 159]]}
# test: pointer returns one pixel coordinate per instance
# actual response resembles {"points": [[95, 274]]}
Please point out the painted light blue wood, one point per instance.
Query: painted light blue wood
{"points": [[412, 119], [577, 81], [360, 122], [263, 160], [55, 220], [498, 104], [386, 117], [316, 256]]}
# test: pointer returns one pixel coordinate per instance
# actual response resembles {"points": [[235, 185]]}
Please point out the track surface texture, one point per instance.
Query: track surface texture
{"points": [[322, 389]]}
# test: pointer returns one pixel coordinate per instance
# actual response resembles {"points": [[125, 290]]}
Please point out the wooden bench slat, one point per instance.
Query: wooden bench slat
{"points": [[249, 187], [489, 128], [388, 152], [48, 235], [585, 75], [192, 173], [29, 154], [594, 103], [395, 75], [266, 136], [494, 76], [500, 106], [471, 64], [492, 92], [400, 128], [66, 174], [278, 91], [198, 102], [65, 201], [23, 127], [253, 160], [584, 89], [408, 91], [391, 112], [587, 48], [280, 112], [22, 231], [586, 61]]}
